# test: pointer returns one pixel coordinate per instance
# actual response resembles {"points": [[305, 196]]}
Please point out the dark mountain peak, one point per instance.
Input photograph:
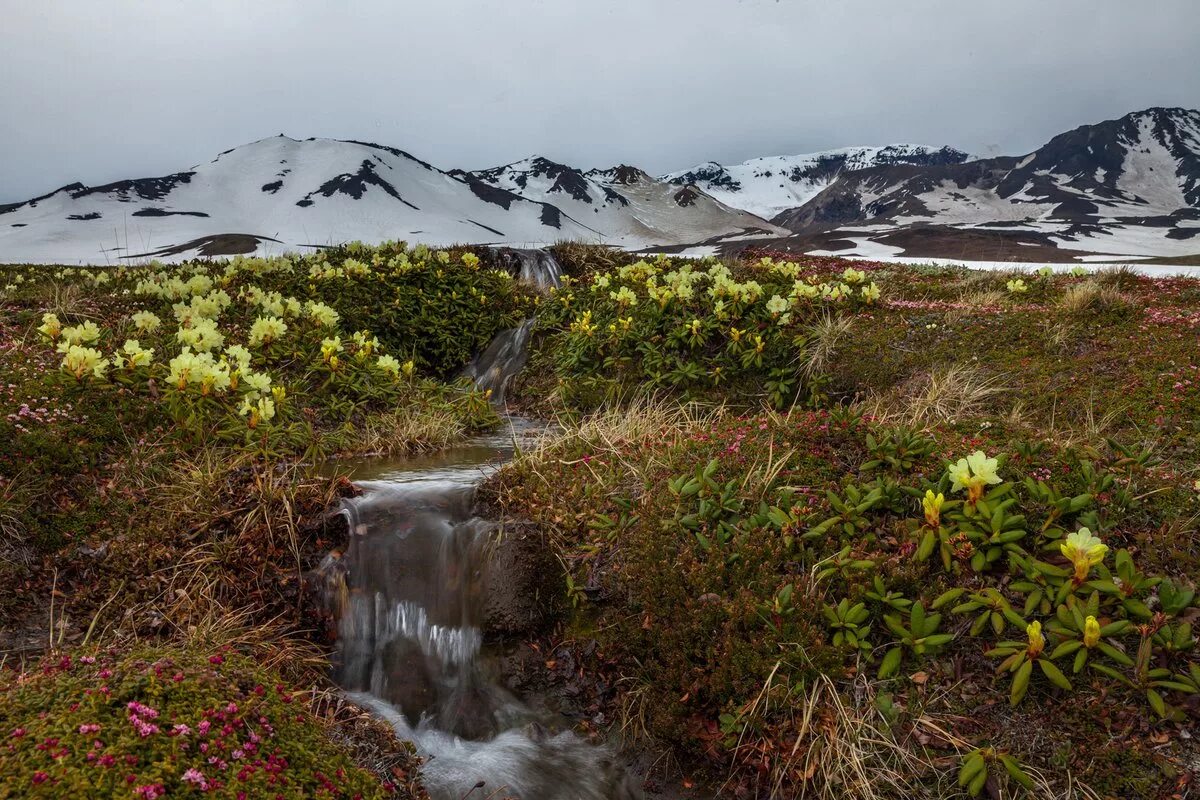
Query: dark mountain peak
{"points": [[622, 174]]}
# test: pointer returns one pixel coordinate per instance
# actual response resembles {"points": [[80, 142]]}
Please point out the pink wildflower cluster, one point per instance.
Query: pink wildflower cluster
{"points": [[138, 716]]}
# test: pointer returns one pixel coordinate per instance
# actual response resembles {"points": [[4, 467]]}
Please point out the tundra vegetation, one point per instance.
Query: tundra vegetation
{"points": [[829, 528]]}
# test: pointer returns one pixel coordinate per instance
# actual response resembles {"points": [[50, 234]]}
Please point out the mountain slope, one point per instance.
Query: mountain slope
{"points": [[272, 195], [1127, 186], [624, 205], [770, 185]]}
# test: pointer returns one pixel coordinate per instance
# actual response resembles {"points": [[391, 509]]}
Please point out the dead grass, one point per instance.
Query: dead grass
{"points": [[824, 337], [973, 301], [1091, 296], [404, 432], [943, 395]]}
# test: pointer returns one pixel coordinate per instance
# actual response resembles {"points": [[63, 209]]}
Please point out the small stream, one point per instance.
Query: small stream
{"points": [[410, 595]]}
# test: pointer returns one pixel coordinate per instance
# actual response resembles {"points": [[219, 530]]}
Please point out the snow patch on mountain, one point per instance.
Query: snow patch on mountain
{"points": [[769, 185], [277, 193]]}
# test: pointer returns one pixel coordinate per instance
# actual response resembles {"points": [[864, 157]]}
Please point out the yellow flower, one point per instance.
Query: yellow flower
{"points": [[265, 330], [624, 297], [1091, 632], [202, 336], [408, 368], [972, 473], [260, 410], [146, 321], [389, 365], [470, 260], [323, 315], [258, 383], [1037, 642], [1084, 551], [84, 333], [50, 327], [777, 305], [852, 275], [135, 354], [933, 508], [329, 347], [1017, 286], [870, 292], [79, 361], [279, 393]]}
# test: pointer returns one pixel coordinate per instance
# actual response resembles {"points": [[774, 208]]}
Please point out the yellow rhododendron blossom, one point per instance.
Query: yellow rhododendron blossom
{"points": [[322, 314], [470, 260], [202, 336], [50, 327], [852, 275], [134, 355], [79, 361], [1084, 551], [1037, 642], [238, 355], [265, 330], [1091, 632], [933, 508], [389, 365], [972, 474], [870, 292], [257, 383], [624, 297], [1017, 286], [407, 368], [330, 347], [146, 321], [260, 410], [777, 305], [84, 333]]}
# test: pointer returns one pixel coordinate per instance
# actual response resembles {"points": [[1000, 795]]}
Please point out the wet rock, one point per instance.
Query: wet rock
{"points": [[523, 582]]}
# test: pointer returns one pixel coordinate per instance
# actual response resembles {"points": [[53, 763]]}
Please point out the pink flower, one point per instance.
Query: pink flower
{"points": [[150, 791], [89, 728], [217, 659], [197, 777]]}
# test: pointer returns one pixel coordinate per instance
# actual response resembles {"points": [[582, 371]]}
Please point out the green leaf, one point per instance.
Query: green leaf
{"points": [[890, 663], [1015, 772], [970, 768], [1020, 683], [1156, 702], [1054, 674]]}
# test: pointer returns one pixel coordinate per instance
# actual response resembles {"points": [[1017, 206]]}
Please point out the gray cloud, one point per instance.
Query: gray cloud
{"points": [[100, 91]]}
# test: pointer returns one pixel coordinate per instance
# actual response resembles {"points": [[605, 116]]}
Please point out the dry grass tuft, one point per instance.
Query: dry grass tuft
{"points": [[404, 432], [1091, 296], [824, 336], [1119, 277], [943, 395], [975, 300]]}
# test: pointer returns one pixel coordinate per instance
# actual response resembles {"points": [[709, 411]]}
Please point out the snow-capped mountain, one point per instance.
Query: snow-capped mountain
{"points": [[274, 195], [770, 185], [1127, 186], [626, 206]]}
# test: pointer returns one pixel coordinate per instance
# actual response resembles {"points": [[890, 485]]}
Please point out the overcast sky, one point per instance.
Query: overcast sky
{"points": [[97, 91]]}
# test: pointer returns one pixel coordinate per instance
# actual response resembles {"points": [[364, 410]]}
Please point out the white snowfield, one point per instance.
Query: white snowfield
{"points": [[625, 206], [772, 184], [298, 193]]}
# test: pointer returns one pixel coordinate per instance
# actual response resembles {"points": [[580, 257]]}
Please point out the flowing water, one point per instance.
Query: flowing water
{"points": [[410, 595]]}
